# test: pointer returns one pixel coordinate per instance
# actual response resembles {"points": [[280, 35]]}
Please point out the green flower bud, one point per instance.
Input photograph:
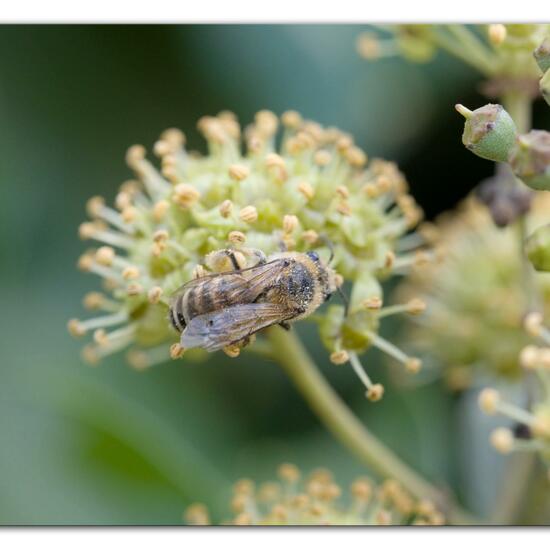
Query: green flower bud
{"points": [[489, 132], [537, 248], [542, 55], [545, 86], [530, 159]]}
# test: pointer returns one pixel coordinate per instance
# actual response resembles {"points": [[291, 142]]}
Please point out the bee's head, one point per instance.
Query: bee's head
{"points": [[325, 275]]}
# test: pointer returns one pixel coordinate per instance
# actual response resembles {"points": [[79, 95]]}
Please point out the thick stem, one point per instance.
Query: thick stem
{"points": [[338, 418]]}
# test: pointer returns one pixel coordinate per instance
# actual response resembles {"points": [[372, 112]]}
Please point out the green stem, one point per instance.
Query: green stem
{"points": [[345, 426], [519, 467]]}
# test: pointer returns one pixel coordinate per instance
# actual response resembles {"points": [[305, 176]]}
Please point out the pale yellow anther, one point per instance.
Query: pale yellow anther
{"points": [[356, 157], [87, 230], [160, 209], [248, 214], [529, 357], [375, 392], [416, 306], [162, 148], [290, 223], [289, 473], [544, 357], [129, 214], [266, 123], [310, 236], [291, 119], [342, 191], [93, 300], [122, 200], [197, 514], [361, 489], [371, 190], [383, 517], [497, 34], [383, 184], [276, 165], [533, 323], [75, 328], [373, 303], [154, 294], [502, 439], [85, 262], [244, 487], [90, 355], [185, 195], [322, 158], [238, 172], [236, 237], [134, 155], [176, 351], [134, 289], [174, 136], [344, 208], [225, 208], [94, 206], [161, 236], [421, 258], [306, 189], [100, 337], [130, 272], [541, 425], [105, 255], [243, 519], [339, 357], [488, 400], [199, 271], [368, 46], [137, 360], [413, 365], [232, 350]]}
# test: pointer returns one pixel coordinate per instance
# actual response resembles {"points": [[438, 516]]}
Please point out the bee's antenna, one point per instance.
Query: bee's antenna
{"points": [[345, 300], [324, 239]]}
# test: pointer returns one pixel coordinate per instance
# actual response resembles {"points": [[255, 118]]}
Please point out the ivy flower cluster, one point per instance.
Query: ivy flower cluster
{"points": [[532, 422], [502, 53], [318, 500], [475, 307], [261, 188]]}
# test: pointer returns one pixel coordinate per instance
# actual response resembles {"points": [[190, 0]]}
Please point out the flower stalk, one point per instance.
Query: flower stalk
{"points": [[289, 352]]}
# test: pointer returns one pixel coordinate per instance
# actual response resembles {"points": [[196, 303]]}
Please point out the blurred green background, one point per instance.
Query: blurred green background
{"points": [[108, 445]]}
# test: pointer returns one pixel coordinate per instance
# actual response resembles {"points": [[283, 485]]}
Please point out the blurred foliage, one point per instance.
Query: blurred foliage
{"points": [[109, 445]]}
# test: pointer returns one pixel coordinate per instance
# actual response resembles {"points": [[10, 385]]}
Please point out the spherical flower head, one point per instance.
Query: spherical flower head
{"points": [[278, 184], [475, 307], [318, 500]]}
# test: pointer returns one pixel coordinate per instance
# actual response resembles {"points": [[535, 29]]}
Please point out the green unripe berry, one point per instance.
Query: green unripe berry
{"points": [[542, 55], [530, 159], [545, 86], [489, 132], [537, 248]]}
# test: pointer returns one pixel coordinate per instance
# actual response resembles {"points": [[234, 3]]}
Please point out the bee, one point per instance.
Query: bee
{"points": [[227, 308]]}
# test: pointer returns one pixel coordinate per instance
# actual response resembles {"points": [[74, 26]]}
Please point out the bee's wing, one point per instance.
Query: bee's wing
{"points": [[240, 283], [212, 331]]}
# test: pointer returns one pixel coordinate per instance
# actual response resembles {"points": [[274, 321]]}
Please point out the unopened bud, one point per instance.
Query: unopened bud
{"points": [[542, 55], [537, 248], [530, 159], [489, 132]]}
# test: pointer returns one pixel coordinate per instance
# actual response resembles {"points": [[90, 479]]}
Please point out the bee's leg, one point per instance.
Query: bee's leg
{"points": [[234, 259], [285, 325]]}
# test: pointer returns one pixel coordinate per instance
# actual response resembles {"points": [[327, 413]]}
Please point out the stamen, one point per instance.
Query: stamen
{"points": [[374, 391], [79, 328]]}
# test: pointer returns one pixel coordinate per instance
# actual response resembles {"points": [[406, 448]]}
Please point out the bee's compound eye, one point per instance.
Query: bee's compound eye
{"points": [[313, 255]]}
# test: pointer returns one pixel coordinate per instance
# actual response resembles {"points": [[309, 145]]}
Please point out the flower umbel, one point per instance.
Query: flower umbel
{"points": [[298, 189], [534, 420], [475, 306], [318, 500]]}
